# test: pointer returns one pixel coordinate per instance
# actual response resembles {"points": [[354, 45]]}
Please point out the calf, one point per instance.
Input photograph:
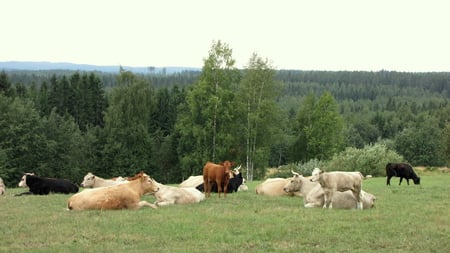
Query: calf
{"points": [[402, 170], [44, 186], [121, 196], [339, 181], [218, 173], [234, 184]]}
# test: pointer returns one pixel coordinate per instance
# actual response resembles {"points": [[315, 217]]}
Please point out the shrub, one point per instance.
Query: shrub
{"points": [[370, 160]]}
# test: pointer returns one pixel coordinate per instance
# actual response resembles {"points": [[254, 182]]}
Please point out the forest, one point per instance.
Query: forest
{"points": [[65, 123]]}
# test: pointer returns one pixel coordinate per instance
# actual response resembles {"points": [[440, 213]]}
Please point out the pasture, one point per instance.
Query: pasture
{"points": [[406, 218]]}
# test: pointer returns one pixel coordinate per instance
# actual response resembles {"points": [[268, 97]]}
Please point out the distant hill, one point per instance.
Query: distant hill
{"points": [[26, 65]]}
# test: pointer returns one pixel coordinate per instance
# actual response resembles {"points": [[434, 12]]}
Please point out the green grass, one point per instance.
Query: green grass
{"points": [[405, 219]]}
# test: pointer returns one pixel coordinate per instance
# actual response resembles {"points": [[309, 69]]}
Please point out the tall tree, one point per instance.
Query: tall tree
{"points": [[320, 128], [209, 125], [127, 122], [257, 94]]}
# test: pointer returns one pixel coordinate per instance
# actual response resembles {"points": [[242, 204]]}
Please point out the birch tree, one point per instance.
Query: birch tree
{"points": [[258, 91]]}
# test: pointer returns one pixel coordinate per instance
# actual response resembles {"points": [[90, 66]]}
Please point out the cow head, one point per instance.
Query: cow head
{"points": [[294, 184], [23, 180], [316, 174], [416, 180], [88, 180]]}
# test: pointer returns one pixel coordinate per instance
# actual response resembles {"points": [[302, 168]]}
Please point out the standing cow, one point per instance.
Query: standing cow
{"points": [[402, 170], [218, 173]]}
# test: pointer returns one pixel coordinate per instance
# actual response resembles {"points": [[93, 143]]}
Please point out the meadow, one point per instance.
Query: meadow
{"points": [[414, 218]]}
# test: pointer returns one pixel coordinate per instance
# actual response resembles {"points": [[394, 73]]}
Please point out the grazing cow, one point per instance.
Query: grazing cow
{"points": [[313, 194], [339, 181], [93, 181], [234, 184], [274, 187], [44, 186], [402, 170], [2, 187], [171, 195], [121, 196], [218, 173]]}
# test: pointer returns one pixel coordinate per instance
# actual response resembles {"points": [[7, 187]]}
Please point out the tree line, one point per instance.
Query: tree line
{"points": [[68, 124]]}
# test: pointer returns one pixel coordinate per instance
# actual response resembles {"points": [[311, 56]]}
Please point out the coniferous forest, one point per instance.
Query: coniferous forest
{"points": [[65, 123]]}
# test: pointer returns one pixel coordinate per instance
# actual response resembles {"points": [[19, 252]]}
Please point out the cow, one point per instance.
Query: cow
{"points": [[339, 181], [313, 194], [2, 187], [93, 181], [44, 186], [192, 181], [274, 187], [234, 184], [402, 170], [171, 195], [120, 196], [218, 173]]}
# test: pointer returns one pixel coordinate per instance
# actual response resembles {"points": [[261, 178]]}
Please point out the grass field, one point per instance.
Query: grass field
{"points": [[406, 219]]}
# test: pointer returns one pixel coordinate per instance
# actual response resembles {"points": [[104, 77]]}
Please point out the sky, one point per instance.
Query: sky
{"points": [[397, 35]]}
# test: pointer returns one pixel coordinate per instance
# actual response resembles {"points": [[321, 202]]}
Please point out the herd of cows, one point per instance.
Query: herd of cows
{"points": [[337, 189]]}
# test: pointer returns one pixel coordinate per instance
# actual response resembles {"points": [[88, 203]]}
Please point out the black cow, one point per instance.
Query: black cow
{"points": [[233, 184], [43, 186], [402, 170]]}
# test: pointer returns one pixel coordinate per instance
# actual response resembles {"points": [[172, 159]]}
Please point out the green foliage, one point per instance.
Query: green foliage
{"points": [[370, 160], [422, 144], [207, 127], [319, 129]]}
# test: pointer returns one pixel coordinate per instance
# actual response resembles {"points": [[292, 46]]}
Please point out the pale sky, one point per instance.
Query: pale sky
{"points": [[398, 35]]}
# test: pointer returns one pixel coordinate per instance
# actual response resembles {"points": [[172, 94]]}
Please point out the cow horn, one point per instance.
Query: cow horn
{"points": [[295, 173]]}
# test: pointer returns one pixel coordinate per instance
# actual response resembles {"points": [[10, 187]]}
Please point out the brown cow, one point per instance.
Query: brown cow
{"points": [[218, 173], [121, 196]]}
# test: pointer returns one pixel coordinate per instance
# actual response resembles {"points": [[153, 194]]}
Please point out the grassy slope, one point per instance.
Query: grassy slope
{"points": [[406, 219]]}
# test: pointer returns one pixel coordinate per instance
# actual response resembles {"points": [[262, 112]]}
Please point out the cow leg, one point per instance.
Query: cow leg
{"points": [[358, 197], [401, 178], [407, 181], [388, 180], [219, 187], [145, 203], [328, 199]]}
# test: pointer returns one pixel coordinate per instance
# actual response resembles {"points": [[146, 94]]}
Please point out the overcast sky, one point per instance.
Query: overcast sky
{"points": [[306, 35]]}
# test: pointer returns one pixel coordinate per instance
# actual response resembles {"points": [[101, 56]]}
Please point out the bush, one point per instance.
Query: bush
{"points": [[370, 160], [304, 169]]}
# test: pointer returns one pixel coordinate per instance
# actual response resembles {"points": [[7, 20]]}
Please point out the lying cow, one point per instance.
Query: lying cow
{"points": [[402, 170], [313, 194], [274, 187], [2, 187], [171, 195], [192, 181], [93, 181], [44, 186], [332, 182], [121, 196]]}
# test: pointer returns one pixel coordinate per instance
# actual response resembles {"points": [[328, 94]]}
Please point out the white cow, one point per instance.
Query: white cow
{"points": [[93, 181], [274, 187], [339, 181], [192, 181], [171, 195], [2, 187], [313, 194]]}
